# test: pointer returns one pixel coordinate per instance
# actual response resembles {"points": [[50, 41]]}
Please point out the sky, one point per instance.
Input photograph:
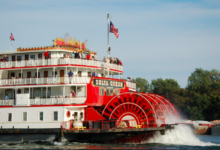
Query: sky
{"points": [[157, 38]]}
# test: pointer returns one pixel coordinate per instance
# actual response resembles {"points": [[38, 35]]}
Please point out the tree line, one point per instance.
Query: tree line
{"points": [[199, 100]]}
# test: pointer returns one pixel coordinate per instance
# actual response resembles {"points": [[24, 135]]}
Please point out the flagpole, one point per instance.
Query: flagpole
{"points": [[108, 48], [108, 32]]}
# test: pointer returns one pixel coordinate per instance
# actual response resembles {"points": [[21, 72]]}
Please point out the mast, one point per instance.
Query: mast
{"points": [[108, 48]]}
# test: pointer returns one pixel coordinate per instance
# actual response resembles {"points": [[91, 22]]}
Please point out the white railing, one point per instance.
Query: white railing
{"points": [[9, 102], [116, 67], [47, 101], [49, 80], [52, 101], [131, 85], [58, 61]]}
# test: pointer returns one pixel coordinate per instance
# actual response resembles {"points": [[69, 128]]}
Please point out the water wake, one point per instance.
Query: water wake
{"points": [[180, 135]]}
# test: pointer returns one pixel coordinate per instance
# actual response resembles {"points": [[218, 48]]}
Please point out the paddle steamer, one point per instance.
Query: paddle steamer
{"points": [[45, 102]]}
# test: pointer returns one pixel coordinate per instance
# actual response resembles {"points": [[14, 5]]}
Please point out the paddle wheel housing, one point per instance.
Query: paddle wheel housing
{"points": [[129, 109], [146, 109]]}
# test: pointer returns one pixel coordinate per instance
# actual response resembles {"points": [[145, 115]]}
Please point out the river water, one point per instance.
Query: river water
{"points": [[181, 137], [209, 142]]}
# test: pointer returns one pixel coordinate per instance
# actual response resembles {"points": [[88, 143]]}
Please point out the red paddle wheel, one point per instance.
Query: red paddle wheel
{"points": [[147, 110]]}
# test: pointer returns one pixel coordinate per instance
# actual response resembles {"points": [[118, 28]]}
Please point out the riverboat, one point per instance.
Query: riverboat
{"points": [[63, 93]]}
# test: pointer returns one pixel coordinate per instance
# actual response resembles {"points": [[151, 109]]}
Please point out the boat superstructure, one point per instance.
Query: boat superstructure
{"points": [[66, 88]]}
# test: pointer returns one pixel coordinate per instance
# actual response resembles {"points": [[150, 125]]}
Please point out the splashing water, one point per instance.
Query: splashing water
{"points": [[180, 135]]}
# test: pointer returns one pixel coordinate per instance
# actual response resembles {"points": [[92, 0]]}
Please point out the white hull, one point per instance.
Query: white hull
{"points": [[33, 120]]}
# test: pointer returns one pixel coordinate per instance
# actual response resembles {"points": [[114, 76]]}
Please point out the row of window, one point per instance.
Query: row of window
{"points": [[36, 92], [109, 92], [40, 116], [45, 74], [19, 58], [26, 56]]}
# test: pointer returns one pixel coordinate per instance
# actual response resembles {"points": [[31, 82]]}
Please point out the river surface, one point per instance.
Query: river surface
{"points": [[208, 142], [201, 142], [181, 137]]}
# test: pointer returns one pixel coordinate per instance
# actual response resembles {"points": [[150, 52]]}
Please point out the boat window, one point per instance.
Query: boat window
{"points": [[37, 92], [32, 56], [19, 58], [75, 116], [24, 116], [40, 56], [36, 75], [89, 74], [55, 73], [55, 115], [109, 92], [79, 73], [41, 116], [26, 90], [9, 116], [101, 91], [48, 91], [20, 75], [117, 92], [81, 116], [10, 93], [19, 91]]}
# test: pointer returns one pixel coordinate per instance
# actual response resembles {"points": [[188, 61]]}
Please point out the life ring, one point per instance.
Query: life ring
{"points": [[68, 113]]}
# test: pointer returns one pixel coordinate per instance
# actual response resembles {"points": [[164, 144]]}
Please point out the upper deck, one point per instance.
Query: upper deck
{"points": [[51, 72], [34, 58]]}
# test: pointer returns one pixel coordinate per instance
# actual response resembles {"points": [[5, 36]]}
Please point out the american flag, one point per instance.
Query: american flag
{"points": [[12, 37], [113, 30]]}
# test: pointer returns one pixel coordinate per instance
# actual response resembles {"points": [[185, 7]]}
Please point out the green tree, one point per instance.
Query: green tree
{"points": [[194, 113], [200, 100], [199, 81], [142, 85], [164, 87], [204, 93]]}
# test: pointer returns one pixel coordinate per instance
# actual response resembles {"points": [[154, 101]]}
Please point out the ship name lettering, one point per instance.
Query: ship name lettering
{"points": [[109, 83]]}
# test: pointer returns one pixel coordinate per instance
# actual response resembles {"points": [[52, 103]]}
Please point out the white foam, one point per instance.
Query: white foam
{"points": [[59, 143], [180, 135]]}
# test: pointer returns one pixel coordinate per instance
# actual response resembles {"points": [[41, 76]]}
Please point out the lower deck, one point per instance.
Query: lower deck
{"points": [[137, 135], [38, 116]]}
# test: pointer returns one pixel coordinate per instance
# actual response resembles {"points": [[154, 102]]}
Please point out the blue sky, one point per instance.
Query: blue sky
{"points": [[157, 38]]}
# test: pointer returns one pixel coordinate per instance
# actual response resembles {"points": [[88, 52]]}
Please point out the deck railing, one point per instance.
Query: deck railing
{"points": [[9, 102], [58, 61], [52, 80], [47, 101], [131, 85], [52, 101], [48, 80]]}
